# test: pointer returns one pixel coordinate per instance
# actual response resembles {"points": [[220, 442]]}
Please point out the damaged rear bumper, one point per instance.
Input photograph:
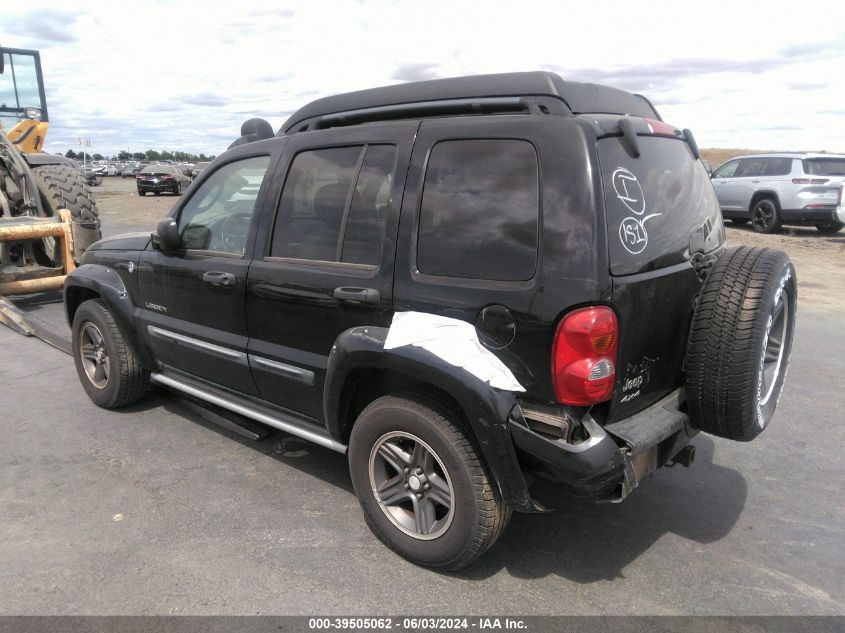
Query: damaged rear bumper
{"points": [[611, 461]]}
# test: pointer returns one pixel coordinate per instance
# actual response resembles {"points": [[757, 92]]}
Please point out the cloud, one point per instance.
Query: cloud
{"points": [[203, 99], [274, 77], [807, 86], [415, 72], [45, 27], [814, 50], [663, 76]]}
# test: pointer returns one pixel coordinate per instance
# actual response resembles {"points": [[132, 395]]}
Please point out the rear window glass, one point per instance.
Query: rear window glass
{"points": [[824, 166], [480, 210], [657, 205]]}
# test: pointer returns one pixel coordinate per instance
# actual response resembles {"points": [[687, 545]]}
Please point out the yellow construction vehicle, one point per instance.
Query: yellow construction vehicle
{"points": [[39, 241]]}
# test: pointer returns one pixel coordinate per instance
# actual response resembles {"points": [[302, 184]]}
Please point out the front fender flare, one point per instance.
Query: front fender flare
{"points": [[487, 409], [108, 285]]}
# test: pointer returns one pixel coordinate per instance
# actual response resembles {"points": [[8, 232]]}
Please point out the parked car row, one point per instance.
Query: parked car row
{"points": [[771, 190], [129, 169]]}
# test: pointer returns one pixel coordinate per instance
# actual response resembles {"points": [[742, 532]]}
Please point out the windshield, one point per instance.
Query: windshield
{"points": [[824, 166], [19, 87], [659, 206]]}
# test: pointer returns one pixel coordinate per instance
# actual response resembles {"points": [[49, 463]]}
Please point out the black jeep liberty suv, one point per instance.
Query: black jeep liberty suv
{"points": [[457, 283]]}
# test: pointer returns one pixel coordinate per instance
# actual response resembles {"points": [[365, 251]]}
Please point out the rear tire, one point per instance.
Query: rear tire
{"points": [[740, 342], [142, 193], [107, 367], [416, 430], [765, 216], [829, 228]]}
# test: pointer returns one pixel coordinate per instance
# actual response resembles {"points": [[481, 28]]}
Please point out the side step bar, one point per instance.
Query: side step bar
{"points": [[288, 424]]}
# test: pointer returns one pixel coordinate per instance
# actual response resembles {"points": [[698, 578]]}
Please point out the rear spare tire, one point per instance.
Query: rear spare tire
{"points": [[740, 342]]}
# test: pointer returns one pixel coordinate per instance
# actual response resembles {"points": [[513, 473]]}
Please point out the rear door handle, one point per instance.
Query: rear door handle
{"points": [[214, 278], [358, 296], [755, 181]]}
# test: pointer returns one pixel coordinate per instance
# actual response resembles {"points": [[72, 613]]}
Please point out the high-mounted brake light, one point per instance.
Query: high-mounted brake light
{"points": [[584, 356], [659, 128]]}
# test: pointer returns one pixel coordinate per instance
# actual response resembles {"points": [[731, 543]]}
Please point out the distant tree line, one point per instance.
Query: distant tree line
{"points": [[150, 154]]}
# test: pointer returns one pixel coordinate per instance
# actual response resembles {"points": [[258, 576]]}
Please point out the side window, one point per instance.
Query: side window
{"points": [[778, 167], [219, 213], [480, 210], [750, 167], [318, 220], [727, 170]]}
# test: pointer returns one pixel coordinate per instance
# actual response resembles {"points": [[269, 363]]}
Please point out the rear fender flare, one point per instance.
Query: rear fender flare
{"points": [[486, 409], [109, 287]]}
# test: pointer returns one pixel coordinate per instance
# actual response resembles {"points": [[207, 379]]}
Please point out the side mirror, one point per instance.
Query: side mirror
{"points": [[166, 236]]}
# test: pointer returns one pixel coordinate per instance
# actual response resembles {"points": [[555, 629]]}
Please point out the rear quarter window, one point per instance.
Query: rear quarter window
{"points": [[480, 210]]}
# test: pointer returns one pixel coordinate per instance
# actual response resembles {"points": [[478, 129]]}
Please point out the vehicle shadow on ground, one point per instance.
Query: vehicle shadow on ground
{"points": [[581, 540], [323, 463], [587, 542]]}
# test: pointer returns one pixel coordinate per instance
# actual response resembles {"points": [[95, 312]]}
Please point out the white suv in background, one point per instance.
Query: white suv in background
{"points": [[783, 188]]}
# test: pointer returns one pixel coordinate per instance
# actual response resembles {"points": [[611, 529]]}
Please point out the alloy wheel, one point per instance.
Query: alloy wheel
{"points": [[411, 485], [94, 356]]}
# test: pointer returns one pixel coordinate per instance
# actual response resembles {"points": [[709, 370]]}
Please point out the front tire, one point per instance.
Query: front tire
{"points": [[765, 216], [107, 367], [422, 485], [829, 228]]}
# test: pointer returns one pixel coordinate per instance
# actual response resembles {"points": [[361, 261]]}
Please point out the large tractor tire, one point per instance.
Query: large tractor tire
{"points": [[740, 342], [63, 187]]}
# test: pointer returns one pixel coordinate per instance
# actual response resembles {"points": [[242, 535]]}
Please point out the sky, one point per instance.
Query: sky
{"points": [[183, 75]]}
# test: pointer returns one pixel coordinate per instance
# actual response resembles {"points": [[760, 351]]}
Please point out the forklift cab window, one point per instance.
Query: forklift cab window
{"points": [[19, 87]]}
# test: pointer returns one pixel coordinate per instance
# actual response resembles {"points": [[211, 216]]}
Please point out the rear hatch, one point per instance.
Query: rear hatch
{"points": [[663, 225]]}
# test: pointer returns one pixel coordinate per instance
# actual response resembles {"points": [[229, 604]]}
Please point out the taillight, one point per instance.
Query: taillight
{"points": [[584, 356], [809, 181], [839, 197], [659, 128], [165, 176], [140, 176]]}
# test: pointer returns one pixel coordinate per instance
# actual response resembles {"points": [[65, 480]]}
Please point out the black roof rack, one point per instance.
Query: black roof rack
{"points": [[479, 94]]}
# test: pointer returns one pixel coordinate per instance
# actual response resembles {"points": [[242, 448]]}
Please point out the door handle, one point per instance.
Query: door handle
{"points": [[358, 296], [214, 278], [755, 181]]}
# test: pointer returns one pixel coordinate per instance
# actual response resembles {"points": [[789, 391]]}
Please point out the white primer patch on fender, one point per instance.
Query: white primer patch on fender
{"points": [[454, 341]]}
